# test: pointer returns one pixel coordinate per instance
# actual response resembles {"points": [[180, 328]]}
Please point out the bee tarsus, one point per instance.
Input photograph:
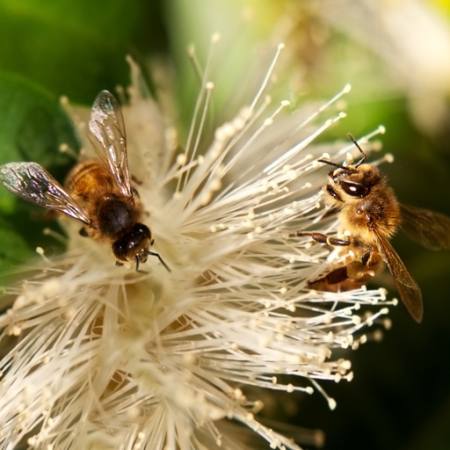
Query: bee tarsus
{"points": [[324, 238]]}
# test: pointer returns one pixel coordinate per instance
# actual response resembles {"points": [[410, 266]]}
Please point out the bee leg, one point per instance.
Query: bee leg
{"points": [[138, 261], [83, 232], [324, 239], [119, 264], [150, 253]]}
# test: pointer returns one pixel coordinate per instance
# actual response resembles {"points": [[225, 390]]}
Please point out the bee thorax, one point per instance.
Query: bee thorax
{"points": [[115, 216]]}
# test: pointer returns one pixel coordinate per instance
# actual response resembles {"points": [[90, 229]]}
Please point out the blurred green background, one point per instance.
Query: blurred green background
{"points": [[396, 54]]}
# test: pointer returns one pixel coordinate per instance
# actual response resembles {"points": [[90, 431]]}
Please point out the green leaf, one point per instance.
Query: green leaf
{"points": [[33, 125], [14, 249]]}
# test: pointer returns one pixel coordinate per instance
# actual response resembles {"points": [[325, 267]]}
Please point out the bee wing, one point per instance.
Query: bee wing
{"points": [[429, 228], [33, 183], [107, 132], [408, 289]]}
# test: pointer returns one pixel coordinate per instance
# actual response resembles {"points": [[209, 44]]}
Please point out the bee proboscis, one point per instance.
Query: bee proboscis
{"points": [[97, 192], [370, 213]]}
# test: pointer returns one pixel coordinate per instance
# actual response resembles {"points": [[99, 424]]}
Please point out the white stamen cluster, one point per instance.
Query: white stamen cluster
{"points": [[102, 357]]}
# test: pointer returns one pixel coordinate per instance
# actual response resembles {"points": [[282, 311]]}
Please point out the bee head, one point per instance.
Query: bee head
{"points": [[134, 243], [352, 182], [355, 182]]}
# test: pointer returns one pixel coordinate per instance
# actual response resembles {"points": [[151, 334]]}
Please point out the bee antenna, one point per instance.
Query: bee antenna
{"points": [[339, 166], [364, 155], [150, 253]]}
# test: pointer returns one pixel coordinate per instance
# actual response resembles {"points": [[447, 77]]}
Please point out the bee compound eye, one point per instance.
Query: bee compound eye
{"points": [[120, 249], [354, 189]]}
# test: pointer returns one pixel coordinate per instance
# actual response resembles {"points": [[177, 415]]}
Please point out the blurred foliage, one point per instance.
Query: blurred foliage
{"points": [[400, 398], [74, 48], [33, 126]]}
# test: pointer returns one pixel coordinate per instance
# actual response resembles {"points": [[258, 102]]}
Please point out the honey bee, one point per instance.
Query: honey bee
{"points": [[371, 214], [98, 192]]}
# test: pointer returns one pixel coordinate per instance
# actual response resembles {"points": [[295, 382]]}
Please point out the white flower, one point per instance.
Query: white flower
{"points": [[103, 357]]}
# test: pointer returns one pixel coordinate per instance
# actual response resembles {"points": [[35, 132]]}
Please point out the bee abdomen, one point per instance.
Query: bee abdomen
{"points": [[89, 180]]}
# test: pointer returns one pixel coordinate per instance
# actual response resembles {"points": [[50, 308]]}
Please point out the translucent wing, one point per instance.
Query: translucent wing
{"points": [[33, 183], [429, 228], [107, 131], [408, 289]]}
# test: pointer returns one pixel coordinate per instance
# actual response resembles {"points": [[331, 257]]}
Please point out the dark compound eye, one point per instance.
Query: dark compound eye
{"points": [[354, 189], [333, 193]]}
